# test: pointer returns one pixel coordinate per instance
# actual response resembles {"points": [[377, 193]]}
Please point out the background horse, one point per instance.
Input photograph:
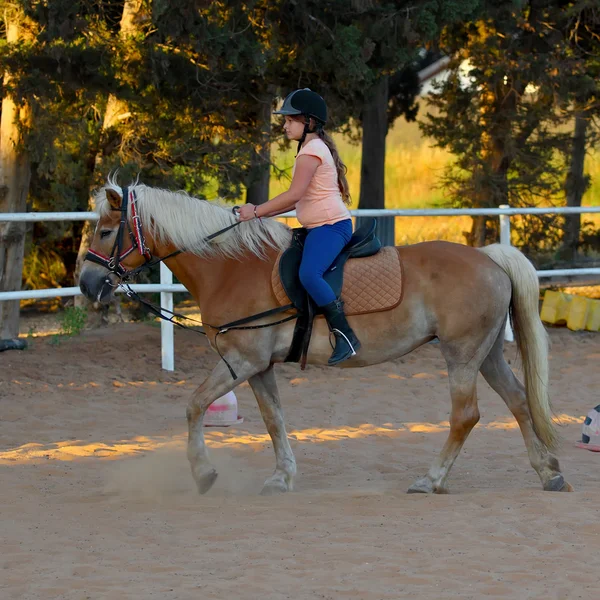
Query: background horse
{"points": [[454, 293]]}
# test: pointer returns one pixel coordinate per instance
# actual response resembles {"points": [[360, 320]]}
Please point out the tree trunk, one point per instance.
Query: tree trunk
{"points": [[257, 191], [478, 234], [15, 174], [498, 111], [374, 131], [486, 229], [372, 169], [576, 185], [116, 111]]}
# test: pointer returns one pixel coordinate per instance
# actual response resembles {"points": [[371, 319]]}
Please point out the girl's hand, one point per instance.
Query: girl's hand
{"points": [[246, 212]]}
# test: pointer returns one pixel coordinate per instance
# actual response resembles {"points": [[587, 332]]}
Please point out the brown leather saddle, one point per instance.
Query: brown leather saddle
{"points": [[363, 243]]}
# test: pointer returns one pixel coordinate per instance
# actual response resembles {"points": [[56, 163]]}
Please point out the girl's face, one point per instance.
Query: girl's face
{"points": [[294, 128]]}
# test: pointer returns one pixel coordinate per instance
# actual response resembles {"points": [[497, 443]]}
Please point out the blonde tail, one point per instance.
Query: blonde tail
{"points": [[531, 337]]}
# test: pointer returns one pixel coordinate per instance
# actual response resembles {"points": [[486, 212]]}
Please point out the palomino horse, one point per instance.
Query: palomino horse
{"points": [[457, 294]]}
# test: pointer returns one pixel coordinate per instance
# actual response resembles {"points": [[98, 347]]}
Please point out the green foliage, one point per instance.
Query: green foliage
{"points": [[504, 121], [343, 48], [193, 78], [43, 267], [72, 320]]}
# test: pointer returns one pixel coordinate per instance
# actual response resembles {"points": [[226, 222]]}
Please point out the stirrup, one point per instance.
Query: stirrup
{"points": [[348, 352], [334, 331]]}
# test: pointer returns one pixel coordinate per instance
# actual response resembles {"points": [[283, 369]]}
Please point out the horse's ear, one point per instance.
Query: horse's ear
{"points": [[113, 199]]}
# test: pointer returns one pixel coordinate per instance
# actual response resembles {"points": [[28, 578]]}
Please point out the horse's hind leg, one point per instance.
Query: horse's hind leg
{"points": [[503, 381], [463, 418], [264, 387]]}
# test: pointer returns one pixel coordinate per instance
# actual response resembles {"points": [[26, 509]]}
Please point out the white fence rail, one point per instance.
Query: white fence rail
{"points": [[167, 287]]}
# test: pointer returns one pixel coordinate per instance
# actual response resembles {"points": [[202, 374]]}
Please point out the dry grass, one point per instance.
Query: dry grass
{"points": [[592, 163], [423, 229]]}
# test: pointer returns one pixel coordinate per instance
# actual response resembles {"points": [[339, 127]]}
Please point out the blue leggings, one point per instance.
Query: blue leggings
{"points": [[321, 247]]}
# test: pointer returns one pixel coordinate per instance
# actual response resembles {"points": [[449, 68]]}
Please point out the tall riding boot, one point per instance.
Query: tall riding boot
{"points": [[346, 342]]}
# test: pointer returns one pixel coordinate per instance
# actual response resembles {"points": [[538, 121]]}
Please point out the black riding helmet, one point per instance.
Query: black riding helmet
{"points": [[308, 103], [304, 102]]}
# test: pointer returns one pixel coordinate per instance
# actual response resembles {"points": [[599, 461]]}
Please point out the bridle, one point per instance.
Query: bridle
{"points": [[114, 261]]}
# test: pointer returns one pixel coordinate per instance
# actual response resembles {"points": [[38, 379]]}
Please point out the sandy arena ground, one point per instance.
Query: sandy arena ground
{"points": [[98, 503]]}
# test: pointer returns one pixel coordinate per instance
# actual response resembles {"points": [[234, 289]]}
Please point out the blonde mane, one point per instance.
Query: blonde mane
{"points": [[186, 221]]}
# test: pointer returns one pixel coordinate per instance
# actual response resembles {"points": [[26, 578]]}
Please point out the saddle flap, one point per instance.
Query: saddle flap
{"points": [[287, 267]]}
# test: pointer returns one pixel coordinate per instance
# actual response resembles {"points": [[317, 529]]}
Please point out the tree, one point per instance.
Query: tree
{"points": [[115, 113], [576, 182], [500, 120], [63, 74], [257, 182], [146, 87], [218, 56], [363, 57], [581, 22], [14, 179], [397, 34]]}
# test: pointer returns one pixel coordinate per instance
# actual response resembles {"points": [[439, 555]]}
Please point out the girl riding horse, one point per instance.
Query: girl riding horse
{"points": [[319, 193]]}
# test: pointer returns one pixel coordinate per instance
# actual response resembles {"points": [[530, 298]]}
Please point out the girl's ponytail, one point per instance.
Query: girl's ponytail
{"points": [[339, 165]]}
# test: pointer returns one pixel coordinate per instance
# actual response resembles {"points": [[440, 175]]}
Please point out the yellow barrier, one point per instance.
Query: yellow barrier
{"points": [[576, 312], [555, 308], [593, 320]]}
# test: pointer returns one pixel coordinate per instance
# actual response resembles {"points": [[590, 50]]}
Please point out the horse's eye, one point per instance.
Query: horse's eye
{"points": [[105, 233]]}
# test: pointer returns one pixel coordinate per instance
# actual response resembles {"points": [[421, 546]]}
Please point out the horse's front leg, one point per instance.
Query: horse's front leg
{"points": [[218, 383], [264, 387]]}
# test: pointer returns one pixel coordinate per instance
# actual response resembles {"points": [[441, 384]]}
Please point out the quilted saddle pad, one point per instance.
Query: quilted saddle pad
{"points": [[371, 284]]}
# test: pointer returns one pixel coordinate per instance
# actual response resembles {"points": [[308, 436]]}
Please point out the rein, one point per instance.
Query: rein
{"points": [[239, 324], [138, 242]]}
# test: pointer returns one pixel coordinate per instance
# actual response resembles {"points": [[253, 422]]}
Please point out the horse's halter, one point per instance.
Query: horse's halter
{"points": [[136, 235]]}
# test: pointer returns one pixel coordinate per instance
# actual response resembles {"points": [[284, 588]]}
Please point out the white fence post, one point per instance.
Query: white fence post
{"points": [[166, 327], [504, 227], [509, 336]]}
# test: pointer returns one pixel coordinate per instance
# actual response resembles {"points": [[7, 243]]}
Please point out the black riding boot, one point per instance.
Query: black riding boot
{"points": [[346, 342]]}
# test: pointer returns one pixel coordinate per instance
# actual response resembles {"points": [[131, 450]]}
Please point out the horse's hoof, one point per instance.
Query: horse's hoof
{"points": [[274, 487], [421, 486], [558, 484], [206, 481]]}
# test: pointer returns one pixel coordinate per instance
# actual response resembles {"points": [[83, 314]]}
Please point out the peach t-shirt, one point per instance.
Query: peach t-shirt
{"points": [[322, 202]]}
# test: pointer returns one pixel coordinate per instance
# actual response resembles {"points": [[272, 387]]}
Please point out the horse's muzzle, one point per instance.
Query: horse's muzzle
{"points": [[96, 286]]}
